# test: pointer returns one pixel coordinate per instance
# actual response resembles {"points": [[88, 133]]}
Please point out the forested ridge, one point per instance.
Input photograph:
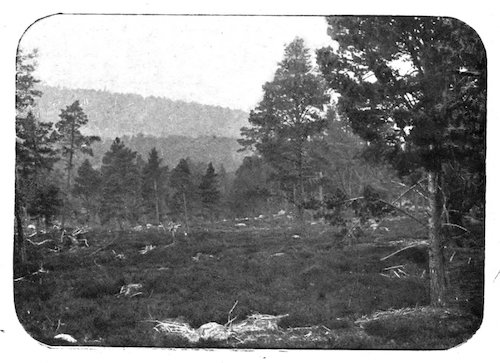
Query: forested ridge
{"points": [[114, 114]]}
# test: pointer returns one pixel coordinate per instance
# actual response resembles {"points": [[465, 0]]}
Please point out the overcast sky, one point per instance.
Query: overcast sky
{"points": [[212, 60]]}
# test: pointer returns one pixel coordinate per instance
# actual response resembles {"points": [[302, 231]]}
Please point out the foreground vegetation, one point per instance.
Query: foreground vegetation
{"points": [[320, 279]]}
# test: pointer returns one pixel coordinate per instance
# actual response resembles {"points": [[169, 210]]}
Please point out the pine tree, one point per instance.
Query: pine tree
{"points": [[71, 140], [121, 198], [46, 203], [209, 192], [87, 187], [283, 123], [415, 89], [183, 190], [35, 154], [153, 186], [251, 188]]}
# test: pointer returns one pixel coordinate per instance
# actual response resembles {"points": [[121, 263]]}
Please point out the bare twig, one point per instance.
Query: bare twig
{"points": [[457, 226], [401, 250], [453, 255], [402, 272], [229, 320], [393, 267], [38, 243], [404, 212], [417, 184]]}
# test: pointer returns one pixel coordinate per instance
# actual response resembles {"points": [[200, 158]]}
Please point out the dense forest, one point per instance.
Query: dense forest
{"points": [[112, 114], [344, 140], [203, 149]]}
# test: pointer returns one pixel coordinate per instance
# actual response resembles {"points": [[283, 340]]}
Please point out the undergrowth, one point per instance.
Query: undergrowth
{"points": [[317, 279]]}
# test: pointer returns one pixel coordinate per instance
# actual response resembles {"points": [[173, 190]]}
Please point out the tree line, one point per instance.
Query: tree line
{"points": [[56, 180]]}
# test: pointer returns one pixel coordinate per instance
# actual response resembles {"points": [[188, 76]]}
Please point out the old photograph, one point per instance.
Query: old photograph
{"points": [[250, 182]]}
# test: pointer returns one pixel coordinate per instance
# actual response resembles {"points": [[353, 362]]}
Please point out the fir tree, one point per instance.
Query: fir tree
{"points": [[121, 185], [87, 187], [209, 192], [46, 203], [182, 185], [251, 188]]}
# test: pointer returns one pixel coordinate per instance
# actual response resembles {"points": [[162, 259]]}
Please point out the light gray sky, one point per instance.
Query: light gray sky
{"points": [[208, 59]]}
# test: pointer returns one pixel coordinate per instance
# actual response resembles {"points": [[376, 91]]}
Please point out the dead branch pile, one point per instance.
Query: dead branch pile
{"points": [[215, 331], [257, 322], [178, 328]]}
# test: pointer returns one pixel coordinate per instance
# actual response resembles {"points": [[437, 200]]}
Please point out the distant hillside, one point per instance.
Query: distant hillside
{"points": [[116, 114]]}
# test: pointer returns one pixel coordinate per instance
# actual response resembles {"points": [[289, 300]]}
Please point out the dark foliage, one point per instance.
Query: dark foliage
{"points": [[209, 192], [121, 185]]}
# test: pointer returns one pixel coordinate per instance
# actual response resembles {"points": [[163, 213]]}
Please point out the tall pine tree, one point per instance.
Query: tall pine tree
{"points": [[415, 89], [71, 141], [283, 123]]}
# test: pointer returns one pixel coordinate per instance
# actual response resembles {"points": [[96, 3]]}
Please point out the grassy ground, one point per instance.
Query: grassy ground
{"points": [[315, 276]]}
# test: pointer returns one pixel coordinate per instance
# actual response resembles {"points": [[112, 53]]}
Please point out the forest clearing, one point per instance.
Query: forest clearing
{"points": [[331, 291]]}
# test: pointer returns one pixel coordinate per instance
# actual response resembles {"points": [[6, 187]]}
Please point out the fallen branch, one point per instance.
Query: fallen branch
{"points": [[401, 250], [392, 267], [457, 226], [38, 243]]}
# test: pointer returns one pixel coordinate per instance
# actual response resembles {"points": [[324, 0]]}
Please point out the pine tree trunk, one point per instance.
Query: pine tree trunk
{"points": [[436, 251], [68, 178], [157, 207], [185, 211], [20, 247], [300, 200], [321, 194]]}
